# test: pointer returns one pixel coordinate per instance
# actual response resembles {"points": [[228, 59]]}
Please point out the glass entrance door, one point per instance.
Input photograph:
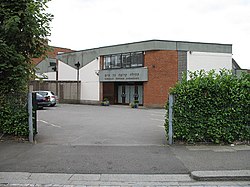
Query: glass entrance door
{"points": [[120, 94], [129, 93], [140, 93]]}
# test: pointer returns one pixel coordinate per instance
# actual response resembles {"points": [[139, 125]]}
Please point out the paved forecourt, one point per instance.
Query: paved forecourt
{"points": [[98, 125]]}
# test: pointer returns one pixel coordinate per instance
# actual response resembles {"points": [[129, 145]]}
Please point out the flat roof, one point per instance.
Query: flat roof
{"points": [[88, 55]]}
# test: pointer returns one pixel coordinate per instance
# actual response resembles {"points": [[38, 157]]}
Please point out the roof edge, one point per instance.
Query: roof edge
{"points": [[145, 41]]}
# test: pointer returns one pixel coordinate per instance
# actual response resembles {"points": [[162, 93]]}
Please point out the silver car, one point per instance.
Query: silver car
{"points": [[50, 95]]}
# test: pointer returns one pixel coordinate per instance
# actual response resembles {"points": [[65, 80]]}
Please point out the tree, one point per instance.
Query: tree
{"points": [[24, 28]]}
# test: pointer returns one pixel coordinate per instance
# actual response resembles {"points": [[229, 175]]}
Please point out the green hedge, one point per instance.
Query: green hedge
{"points": [[211, 107], [14, 114]]}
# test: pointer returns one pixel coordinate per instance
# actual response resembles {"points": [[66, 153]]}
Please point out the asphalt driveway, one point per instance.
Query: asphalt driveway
{"points": [[98, 125], [94, 139]]}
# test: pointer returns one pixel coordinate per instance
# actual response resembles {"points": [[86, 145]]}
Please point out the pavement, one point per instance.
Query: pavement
{"points": [[119, 180], [81, 145]]}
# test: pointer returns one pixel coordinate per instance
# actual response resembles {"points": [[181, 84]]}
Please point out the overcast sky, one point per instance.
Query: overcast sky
{"points": [[84, 24]]}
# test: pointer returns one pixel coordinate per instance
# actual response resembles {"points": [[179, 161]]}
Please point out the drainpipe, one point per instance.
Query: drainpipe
{"points": [[77, 88], [57, 77]]}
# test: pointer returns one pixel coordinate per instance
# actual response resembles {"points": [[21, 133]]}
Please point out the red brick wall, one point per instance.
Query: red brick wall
{"points": [[51, 54], [162, 74]]}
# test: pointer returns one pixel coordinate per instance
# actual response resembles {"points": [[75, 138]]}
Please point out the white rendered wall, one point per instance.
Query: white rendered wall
{"points": [[90, 87], [66, 72], [208, 61], [51, 75]]}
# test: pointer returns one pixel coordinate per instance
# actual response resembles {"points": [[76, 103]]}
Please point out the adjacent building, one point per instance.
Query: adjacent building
{"points": [[141, 71], [47, 65]]}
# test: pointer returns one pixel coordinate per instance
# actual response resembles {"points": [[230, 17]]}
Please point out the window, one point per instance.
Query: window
{"points": [[115, 61], [140, 61], [124, 60], [52, 63], [107, 62]]}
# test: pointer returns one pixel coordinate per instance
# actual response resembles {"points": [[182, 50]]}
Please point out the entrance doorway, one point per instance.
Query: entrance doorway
{"points": [[129, 93]]}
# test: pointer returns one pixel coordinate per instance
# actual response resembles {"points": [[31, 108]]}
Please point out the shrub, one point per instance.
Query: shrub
{"points": [[14, 115], [105, 102], [134, 104], [211, 107]]}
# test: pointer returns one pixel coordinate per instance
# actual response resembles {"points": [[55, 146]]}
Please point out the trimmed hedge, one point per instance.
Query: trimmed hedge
{"points": [[211, 107], [14, 114]]}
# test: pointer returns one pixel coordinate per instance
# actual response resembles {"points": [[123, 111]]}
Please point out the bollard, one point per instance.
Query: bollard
{"points": [[170, 119]]}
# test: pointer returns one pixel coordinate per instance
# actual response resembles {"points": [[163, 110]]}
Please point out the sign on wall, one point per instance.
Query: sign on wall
{"points": [[124, 75]]}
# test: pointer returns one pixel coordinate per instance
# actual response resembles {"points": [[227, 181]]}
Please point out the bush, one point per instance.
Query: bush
{"points": [[211, 107], [105, 102], [14, 115], [134, 104]]}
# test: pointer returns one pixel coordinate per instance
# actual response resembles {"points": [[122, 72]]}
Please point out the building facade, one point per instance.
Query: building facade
{"points": [[47, 65], [142, 71]]}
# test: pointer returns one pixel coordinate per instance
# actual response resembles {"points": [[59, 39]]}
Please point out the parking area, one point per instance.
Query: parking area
{"points": [[98, 125]]}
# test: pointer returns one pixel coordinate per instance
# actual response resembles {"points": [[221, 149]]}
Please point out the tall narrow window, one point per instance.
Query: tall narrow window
{"points": [[140, 60], [115, 61], [126, 60], [134, 60], [107, 62], [137, 59]]}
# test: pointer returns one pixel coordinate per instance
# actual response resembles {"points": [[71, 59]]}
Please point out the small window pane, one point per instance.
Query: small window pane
{"points": [[126, 60], [140, 59], [113, 61], [52, 63], [118, 61], [134, 60], [107, 62]]}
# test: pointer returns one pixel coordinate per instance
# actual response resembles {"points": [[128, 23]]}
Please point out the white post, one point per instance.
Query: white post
{"points": [[30, 117], [170, 120]]}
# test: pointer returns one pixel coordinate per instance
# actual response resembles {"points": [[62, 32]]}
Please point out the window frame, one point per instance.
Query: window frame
{"points": [[124, 60]]}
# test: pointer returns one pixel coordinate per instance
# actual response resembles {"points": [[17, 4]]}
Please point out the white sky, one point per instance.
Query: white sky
{"points": [[84, 24]]}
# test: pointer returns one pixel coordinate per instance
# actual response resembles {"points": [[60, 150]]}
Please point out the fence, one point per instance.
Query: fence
{"points": [[66, 91]]}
